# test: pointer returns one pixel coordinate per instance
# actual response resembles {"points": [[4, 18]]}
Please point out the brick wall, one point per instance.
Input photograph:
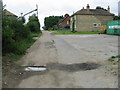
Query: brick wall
{"points": [[66, 22]]}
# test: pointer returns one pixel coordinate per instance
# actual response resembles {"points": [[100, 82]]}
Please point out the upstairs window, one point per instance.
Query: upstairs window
{"points": [[67, 22]]}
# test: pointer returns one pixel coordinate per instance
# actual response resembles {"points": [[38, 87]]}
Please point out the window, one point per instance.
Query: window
{"points": [[96, 25], [67, 22]]}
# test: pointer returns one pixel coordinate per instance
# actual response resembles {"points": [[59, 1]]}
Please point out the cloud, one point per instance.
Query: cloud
{"points": [[56, 7]]}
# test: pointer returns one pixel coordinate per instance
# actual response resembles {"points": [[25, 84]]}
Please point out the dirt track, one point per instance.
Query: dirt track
{"points": [[72, 61]]}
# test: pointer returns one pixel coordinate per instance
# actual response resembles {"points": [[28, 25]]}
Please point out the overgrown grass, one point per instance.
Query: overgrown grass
{"points": [[36, 34], [20, 49], [15, 57], [69, 32], [22, 45], [114, 59]]}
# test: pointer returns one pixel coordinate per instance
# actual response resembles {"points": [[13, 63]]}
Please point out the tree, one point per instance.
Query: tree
{"points": [[34, 24], [99, 7], [116, 18], [50, 21]]}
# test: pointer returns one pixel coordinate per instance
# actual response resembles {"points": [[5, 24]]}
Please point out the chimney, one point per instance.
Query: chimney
{"points": [[88, 7], [83, 8], [108, 9]]}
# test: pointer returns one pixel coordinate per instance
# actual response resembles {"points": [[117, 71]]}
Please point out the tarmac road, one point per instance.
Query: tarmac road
{"points": [[72, 61]]}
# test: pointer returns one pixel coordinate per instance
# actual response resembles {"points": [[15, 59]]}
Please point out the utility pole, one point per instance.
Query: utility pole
{"points": [[37, 9], [21, 14], [4, 6]]}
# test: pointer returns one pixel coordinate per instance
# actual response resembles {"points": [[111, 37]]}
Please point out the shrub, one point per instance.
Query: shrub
{"points": [[17, 37], [55, 27]]}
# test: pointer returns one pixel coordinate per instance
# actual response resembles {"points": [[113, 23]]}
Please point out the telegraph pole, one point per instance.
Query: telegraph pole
{"points": [[37, 9]]}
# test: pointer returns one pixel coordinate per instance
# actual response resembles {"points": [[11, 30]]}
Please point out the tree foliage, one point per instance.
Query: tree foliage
{"points": [[116, 18], [99, 7], [51, 21], [34, 24], [17, 35]]}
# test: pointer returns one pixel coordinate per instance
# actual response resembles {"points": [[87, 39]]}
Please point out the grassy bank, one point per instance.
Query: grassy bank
{"points": [[36, 34], [21, 48], [69, 32]]}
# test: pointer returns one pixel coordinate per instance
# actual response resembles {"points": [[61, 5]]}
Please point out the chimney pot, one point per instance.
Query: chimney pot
{"points": [[108, 8], [88, 7]]}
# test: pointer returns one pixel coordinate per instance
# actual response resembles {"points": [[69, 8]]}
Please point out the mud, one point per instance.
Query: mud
{"points": [[74, 67], [17, 74]]}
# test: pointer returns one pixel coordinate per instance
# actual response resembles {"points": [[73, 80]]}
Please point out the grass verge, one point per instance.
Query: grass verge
{"points": [[36, 34], [69, 32], [20, 49], [15, 57]]}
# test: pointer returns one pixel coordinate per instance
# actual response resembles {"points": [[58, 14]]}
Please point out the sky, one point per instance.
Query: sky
{"points": [[56, 7]]}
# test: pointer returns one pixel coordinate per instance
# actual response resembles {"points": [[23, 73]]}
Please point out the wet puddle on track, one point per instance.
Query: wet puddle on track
{"points": [[64, 67]]}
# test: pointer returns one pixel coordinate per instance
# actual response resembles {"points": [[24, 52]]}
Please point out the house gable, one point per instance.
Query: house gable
{"points": [[64, 22], [10, 14], [91, 19]]}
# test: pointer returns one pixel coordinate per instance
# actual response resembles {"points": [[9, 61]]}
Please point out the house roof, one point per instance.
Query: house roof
{"points": [[65, 16], [8, 13], [93, 12]]}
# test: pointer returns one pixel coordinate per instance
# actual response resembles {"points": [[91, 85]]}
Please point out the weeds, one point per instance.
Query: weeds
{"points": [[20, 49], [114, 59], [36, 34], [15, 57]]}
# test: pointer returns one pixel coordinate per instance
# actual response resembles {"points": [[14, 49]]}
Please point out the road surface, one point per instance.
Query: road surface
{"points": [[72, 61]]}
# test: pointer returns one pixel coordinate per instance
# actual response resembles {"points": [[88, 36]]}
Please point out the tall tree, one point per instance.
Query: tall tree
{"points": [[51, 21], [34, 24]]}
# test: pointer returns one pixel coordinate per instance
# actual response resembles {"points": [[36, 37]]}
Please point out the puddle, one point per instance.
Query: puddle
{"points": [[64, 67], [74, 67], [35, 68]]}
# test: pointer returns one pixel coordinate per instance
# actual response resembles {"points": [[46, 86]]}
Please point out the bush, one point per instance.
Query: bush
{"points": [[13, 32], [7, 40], [55, 27], [17, 37]]}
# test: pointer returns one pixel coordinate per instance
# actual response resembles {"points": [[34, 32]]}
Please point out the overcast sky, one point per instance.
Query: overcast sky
{"points": [[56, 7]]}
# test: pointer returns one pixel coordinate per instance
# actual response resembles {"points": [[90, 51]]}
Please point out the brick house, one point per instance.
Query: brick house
{"points": [[91, 19], [10, 14], [65, 22]]}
